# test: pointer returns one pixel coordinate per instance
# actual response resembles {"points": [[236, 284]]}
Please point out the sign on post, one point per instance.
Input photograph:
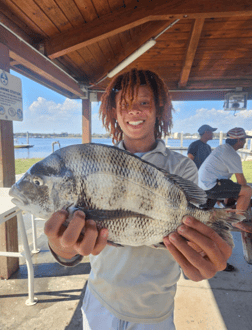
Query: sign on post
{"points": [[11, 105]]}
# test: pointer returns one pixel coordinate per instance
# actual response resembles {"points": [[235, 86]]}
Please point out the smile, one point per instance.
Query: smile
{"points": [[135, 123]]}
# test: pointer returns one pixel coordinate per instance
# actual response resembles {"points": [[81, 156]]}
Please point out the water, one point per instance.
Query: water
{"points": [[43, 147]]}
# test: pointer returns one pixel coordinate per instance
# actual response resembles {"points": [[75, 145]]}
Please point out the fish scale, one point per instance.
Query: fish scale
{"points": [[138, 202]]}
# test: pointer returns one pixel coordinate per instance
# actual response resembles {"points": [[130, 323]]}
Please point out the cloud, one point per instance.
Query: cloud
{"points": [[177, 105], [43, 107], [47, 116], [223, 120]]}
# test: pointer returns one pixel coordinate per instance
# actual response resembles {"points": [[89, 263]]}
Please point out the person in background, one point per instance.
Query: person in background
{"points": [[199, 150], [216, 171], [134, 287]]}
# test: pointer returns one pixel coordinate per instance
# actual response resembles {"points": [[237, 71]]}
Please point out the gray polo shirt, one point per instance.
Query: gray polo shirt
{"points": [[138, 284]]}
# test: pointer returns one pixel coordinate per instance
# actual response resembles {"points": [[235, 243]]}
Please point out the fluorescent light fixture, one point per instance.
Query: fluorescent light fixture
{"points": [[135, 55], [132, 57]]}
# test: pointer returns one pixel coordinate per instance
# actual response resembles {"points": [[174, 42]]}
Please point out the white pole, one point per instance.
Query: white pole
{"points": [[34, 235], [181, 139], [246, 144], [221, 137], [31, 299]]}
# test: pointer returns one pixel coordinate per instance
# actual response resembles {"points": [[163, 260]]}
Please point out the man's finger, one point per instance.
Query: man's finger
{"points": [[194, 257], [101, 242], [189, 270], [73, 231], [210, 233], [53, 225], [196, 248], [86, 246], [208, 245]]}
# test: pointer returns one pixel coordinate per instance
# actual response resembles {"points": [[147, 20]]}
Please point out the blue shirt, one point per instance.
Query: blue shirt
{"points": [[200, 151]]}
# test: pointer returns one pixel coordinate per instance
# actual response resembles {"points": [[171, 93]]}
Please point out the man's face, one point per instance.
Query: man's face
{"points": [[208, 135], [137, 118], [241, 143]]}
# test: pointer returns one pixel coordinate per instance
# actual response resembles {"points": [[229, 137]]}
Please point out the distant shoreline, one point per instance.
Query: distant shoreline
{"points": [[71, 137], [61, 137], [97, 137]]}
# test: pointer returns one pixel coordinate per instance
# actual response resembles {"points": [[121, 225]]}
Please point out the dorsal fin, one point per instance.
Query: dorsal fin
{"points": [[194, 194]]}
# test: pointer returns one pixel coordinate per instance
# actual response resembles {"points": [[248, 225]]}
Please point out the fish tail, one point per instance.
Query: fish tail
{"points": [[221, 221], [228, 215]]}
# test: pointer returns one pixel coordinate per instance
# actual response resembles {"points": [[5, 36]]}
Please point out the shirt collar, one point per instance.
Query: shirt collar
{"points": [[159, 148]]}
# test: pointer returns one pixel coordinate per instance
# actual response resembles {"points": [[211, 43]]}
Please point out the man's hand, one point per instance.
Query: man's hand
{"points": [[203, 255], [67, 242]]}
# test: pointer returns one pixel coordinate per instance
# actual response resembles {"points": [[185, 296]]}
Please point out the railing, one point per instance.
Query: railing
{"points": [[55, 142], [244, 153]]}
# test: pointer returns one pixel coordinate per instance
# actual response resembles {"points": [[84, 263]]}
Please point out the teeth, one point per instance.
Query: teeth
{"points": [[135, 123]]}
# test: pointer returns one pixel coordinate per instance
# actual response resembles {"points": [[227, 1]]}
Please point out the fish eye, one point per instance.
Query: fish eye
{"points": [[37, 181]]}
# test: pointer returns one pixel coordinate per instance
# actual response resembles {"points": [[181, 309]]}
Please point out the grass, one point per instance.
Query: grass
{"points": [[23, 164], [247, 171]]}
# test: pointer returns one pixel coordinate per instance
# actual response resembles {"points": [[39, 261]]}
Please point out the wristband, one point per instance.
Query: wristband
{"points": [[66, 262]]}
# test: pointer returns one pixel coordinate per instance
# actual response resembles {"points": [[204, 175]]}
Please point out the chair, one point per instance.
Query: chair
{"points": [[7, 211], [34, 233]]}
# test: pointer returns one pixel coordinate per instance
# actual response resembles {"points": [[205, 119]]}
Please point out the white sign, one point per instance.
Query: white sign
{"points": [[11, 103]]}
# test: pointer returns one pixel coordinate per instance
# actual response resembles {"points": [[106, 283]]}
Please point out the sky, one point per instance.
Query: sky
{"points": [[45, 111]]}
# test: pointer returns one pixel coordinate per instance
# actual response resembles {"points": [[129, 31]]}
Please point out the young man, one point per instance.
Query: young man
{"points": [[134, 287], [224, 161], [199, 150]]}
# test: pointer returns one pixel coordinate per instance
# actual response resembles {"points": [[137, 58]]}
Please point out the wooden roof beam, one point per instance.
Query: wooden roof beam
{"points": [[24, 71], [220, 83], [40, 65], [13, 63], [150, 30], [191, 50], [129, 17]]}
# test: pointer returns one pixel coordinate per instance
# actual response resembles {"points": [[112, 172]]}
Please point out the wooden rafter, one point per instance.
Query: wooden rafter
{"points": [[25, 55], [151, 30], [7, 18], [191, 50], [124, 19], [246, 82], [13, 63]]}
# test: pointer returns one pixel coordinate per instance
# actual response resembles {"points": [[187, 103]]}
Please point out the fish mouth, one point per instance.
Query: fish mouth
{"points": [[19, 199]]}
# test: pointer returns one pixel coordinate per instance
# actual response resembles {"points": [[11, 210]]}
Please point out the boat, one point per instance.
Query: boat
{"points": [[18, 146], [23, 145]]}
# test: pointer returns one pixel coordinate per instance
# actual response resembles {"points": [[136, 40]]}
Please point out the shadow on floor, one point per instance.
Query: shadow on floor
{"points": [[52, 270], [76, 321], [232, 291]]}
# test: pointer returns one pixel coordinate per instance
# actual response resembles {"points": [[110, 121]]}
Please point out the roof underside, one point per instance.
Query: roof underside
{"points": [[65, 43]]}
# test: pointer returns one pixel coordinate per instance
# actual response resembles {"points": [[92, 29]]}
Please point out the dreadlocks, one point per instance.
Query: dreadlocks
{"points": [[126, 83]]}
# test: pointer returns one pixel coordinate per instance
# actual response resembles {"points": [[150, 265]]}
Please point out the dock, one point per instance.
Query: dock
{"points": [[26, 145], [19, 146]]}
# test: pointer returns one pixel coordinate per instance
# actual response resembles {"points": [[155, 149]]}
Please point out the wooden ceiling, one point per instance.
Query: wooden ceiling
{"points": [[64, 44]]}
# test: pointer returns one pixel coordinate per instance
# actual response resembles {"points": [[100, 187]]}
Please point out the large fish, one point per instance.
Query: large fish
{"points": [[138, 202]]}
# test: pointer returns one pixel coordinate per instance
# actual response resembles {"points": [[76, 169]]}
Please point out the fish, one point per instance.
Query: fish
{"points": [[136, 201]]}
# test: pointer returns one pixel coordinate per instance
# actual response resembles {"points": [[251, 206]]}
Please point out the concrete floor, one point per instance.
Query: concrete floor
{"points": [[224, 302]]}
